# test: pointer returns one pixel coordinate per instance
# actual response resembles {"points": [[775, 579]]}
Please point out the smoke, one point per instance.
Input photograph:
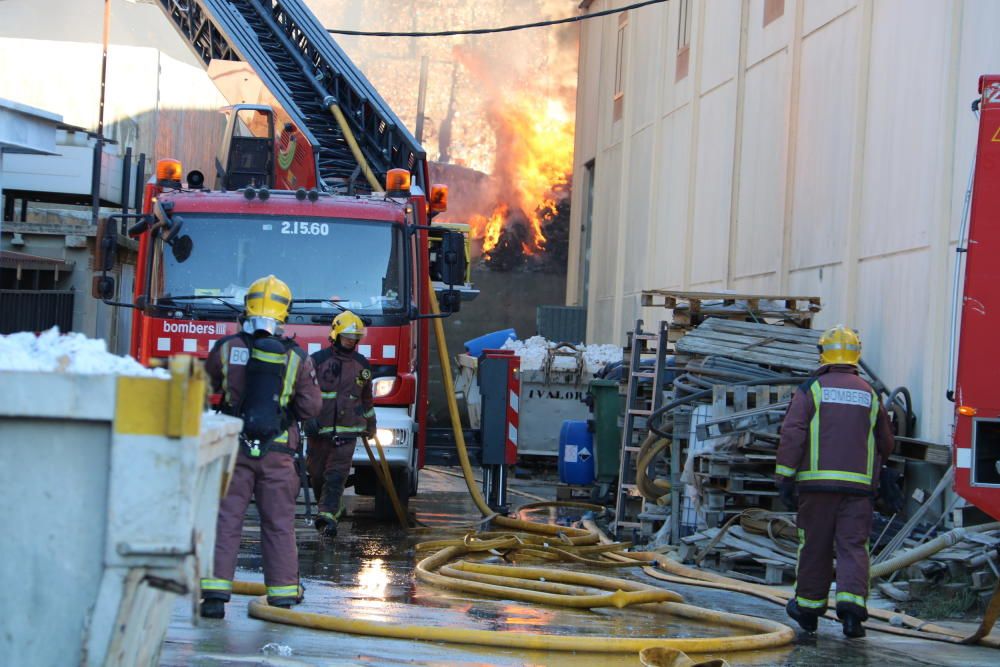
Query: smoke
{"points": [[499, 109], [468, 76]]}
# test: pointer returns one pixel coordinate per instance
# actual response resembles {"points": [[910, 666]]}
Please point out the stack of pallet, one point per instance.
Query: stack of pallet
{"points": [[689, 309], [728, 337], [735, 432]]}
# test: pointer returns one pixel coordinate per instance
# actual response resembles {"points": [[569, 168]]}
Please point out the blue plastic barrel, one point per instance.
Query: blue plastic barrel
{"points": [[490, 341], [576, 453]]}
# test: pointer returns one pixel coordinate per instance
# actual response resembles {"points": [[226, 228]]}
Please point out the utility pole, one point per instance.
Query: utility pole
{"points": [[421, 99]]}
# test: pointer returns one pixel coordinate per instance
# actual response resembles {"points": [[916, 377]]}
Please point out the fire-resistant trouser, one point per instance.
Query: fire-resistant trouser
{"points": [[274, 483], [328, 461], [828, 522]]}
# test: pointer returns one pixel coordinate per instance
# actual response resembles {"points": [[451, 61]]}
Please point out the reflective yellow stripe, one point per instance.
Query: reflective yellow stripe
{"points": [[329, 394], [283, 438], [834, 475], [784, 471], [817, 394], [871, 435], [282, 591], [350, 429], [369, 414], [326, 429], [216, 585], [291, 371], [810, 604], [269, 357], [851, 597]]}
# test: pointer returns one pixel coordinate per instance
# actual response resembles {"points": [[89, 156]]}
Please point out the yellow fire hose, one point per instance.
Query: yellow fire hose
{"points": [[667, 569]]}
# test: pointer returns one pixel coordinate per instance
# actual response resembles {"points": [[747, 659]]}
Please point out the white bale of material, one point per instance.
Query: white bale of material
{"points": [[109, 494]]}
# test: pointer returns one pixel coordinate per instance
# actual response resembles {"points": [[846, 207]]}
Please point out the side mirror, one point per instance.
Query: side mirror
{"points": [[451, 262], [450, 301], [106, 245], [103, 288]]}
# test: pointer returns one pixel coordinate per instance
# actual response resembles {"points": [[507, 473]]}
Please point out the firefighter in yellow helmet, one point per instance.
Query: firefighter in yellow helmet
{"points": [[834, 440], [269, 382], [348, 412]]}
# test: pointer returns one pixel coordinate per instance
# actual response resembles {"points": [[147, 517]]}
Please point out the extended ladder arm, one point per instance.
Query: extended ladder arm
{"points": [[306, 71]]}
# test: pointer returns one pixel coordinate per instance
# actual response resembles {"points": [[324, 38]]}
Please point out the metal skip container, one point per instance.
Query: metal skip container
{"points": [[550, 394], [109, 494]]}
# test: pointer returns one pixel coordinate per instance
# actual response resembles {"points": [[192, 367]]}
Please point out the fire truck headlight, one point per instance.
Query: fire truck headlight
{"points": [[383, 386], [387, 437]]}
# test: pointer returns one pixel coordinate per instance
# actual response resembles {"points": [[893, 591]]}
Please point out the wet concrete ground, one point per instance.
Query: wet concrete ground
{"points": [[367, 573]]}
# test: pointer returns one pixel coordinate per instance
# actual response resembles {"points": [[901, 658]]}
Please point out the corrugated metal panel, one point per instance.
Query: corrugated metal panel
{"points": [[24, 310], [566, 324]]}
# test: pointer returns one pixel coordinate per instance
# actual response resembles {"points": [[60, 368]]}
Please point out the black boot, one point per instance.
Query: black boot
{"points": [[852, 626], [326, 524], [213, 608], [807, 620], [851, 617]]}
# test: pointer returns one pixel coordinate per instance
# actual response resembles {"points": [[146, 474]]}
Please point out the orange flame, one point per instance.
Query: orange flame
{"points": [[537, 139], [489, 228], [534, 164]]}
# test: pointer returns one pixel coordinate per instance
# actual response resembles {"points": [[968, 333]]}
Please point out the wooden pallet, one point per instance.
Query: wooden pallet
{"points": [[778, 347], [921, 450], [691, 308], [738, 483]]}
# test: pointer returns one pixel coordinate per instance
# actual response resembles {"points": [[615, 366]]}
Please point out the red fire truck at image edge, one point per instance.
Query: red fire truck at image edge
{"points": [[373, 254], [977, 399]]}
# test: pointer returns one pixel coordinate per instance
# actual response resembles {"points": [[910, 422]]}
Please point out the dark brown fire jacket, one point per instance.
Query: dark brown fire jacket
{"points": [[836, 434], [345, 378]]}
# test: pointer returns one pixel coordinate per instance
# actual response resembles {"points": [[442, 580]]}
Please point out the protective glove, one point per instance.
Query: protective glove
{"points": [[310, 427], [787, 493], [890, 499]]}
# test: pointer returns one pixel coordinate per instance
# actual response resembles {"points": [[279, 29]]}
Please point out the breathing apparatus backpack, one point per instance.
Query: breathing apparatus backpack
{"points": [[263, 417]]}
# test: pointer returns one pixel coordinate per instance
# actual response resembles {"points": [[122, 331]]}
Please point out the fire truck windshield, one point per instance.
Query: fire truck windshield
{"points": [[358, 264]]}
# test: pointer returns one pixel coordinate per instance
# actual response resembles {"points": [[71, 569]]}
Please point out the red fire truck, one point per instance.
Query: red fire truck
{"points": [[977, 399], [329, 192]]}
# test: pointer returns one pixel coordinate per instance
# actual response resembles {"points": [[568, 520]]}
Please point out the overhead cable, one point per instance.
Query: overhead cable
{"points": [[489, 31]]}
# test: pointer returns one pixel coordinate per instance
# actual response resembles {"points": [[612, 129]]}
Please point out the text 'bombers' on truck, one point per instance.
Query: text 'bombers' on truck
{"points": [[336, 204]]}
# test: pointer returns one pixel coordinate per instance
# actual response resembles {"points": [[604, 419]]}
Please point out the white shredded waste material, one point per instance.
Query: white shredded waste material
{"points": [[276, 649], [534, 351], [51, 351]]}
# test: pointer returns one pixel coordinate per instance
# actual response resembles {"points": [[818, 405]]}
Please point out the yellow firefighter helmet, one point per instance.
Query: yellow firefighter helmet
{"points": [[349, 324], [266, 305], [839, 345]]}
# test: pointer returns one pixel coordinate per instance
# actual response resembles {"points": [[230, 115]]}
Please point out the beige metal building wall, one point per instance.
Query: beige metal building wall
{"points": [[805, 146]]}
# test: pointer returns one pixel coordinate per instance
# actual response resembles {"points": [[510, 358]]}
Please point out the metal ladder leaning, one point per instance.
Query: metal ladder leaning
{"points": [[643, 396]]}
